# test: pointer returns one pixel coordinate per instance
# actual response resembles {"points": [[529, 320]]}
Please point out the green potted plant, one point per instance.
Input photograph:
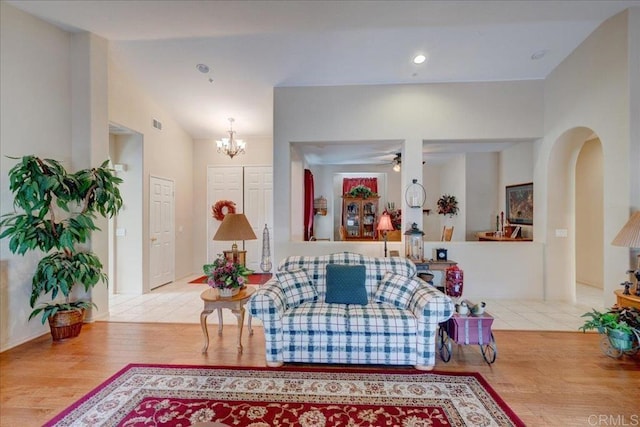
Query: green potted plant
{"points": [[226, 276], [620, 324], [54, 212]]}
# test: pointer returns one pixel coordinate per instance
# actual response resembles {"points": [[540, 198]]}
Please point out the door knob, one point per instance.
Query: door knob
{"points": [[153, 239]]}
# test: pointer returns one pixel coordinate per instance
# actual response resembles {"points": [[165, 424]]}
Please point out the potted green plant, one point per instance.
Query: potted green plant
{"points": [[620, 324], [226, 276], [54, 212]]}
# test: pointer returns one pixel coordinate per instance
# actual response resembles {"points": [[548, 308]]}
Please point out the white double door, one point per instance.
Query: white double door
{"points": [[251, 189]]}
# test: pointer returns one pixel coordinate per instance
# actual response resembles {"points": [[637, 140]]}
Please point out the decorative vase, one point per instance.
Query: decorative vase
{"points": [[228, 292], [620, 340], [454, 281]]}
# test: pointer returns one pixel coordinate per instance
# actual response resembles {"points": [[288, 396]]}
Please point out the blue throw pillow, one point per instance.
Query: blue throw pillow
{"points": [[345, 284]]}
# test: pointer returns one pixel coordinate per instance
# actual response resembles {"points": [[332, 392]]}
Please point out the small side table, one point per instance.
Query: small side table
{"points": [[213, 301], [430, 265], [627, 300]]}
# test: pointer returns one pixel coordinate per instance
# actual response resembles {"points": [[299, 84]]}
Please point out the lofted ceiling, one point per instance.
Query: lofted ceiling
{"points": [[250, 47]]}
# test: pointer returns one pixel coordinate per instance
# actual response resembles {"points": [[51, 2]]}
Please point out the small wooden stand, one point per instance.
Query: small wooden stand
{"points": [[242, 257]]}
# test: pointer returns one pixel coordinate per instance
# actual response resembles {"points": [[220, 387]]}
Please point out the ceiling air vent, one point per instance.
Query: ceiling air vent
{"points": [[157, 124]]}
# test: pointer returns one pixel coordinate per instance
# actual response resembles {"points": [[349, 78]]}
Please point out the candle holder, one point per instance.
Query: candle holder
{"points": [[415, 195], [414, 249]]}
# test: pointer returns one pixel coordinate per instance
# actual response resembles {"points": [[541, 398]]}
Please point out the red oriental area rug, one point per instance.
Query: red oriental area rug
{"points": [[254, 279], [170, 395]]}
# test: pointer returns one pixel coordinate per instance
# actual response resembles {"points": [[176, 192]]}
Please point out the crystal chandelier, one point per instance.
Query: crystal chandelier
{"points": [[231, 146]]}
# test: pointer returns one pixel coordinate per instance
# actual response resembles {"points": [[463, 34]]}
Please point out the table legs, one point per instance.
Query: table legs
{"points": [[203, 324], [239, 313]]}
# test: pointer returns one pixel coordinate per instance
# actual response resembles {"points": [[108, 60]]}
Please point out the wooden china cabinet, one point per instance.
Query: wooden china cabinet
{"points": [[360, 217]]}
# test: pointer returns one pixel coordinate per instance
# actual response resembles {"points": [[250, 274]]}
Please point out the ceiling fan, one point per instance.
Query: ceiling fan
{"points": [[396, 162]]}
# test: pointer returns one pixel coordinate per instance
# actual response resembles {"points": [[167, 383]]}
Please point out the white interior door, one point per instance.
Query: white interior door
{"points": [[224, 183], [258, 207], [161, 232]]}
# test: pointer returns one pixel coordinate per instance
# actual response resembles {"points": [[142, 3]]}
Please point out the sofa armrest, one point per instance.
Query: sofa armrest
{"points": [[268, 304], [430, 305]]}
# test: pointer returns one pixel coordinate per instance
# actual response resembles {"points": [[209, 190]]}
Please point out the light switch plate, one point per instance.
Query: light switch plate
{"points": [[562, 232]]}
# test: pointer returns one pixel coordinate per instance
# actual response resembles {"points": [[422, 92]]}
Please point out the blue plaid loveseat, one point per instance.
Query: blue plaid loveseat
{"points": [[376, 333]]}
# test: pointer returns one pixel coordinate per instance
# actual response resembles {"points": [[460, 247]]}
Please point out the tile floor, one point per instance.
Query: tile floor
{"points": [[179, 302]]}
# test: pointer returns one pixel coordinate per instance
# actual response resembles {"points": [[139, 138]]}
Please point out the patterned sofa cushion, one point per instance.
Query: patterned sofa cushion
{"points": [[297, 287], [396, 289], [375, 267], [315, 317], [374, 319]]}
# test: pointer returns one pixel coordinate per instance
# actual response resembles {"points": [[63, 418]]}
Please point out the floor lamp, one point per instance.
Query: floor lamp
{"points": [[385, 225], [235, 227], [629, 237]]}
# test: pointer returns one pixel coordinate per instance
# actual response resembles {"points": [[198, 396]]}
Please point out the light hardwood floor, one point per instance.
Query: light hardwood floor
{"points": [[547, 378]]}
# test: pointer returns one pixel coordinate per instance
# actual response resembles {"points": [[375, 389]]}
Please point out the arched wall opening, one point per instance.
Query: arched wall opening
{"points": [[563, 215], [590, 215]]}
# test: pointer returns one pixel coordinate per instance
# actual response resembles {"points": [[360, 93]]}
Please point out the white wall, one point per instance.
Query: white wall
{"points": [[587, 93], [453, 181], [259, 153], [324, 177], [431, 221], [516, 167], [26, 43], [168, 153], [589, 215], [481, 193], [127, 150], [410, 113], [634, 125]]}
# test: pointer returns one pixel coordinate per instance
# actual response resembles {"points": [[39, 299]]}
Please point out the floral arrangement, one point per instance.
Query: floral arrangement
{"points": [[448, 205], [225, 274], [395, 214], [361, 191]]}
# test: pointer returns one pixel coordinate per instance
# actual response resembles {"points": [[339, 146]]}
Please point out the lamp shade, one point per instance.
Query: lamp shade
{"points": [[235, 227], [385, 223], [629, 236]]}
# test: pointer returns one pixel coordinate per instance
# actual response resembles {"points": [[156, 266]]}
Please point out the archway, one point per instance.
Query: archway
{"points": [[560, 231], [589, 220]]}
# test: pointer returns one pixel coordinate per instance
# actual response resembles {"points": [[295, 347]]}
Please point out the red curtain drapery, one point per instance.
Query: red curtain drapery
{"points": [[308, 204], [349, 183]]}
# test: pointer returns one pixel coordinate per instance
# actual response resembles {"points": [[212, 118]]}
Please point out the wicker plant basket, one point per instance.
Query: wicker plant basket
{"points": [[66, 324]]}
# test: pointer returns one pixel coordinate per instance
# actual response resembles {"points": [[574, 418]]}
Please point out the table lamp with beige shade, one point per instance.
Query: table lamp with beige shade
{"points": [[629, 237], [235, 227]]}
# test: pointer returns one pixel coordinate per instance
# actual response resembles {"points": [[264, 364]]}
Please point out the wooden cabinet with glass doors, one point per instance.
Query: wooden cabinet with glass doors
{"points": [[359, 218]]}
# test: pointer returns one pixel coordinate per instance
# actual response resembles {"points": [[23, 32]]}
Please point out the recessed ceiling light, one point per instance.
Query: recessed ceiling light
{"points": [[419, 59], [539, 54], [203, 68]]}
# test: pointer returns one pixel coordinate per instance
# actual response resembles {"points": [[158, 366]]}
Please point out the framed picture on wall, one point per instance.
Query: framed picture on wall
{"points": [[520, 204]]}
